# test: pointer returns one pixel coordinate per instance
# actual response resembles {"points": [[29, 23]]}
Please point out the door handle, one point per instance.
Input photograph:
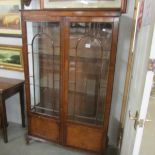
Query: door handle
{"points": [[138, 122], [141, 122], [134, 118], [148, 120]]}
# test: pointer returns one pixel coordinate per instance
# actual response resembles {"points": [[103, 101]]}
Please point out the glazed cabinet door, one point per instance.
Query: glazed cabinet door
{"points": [[43, 54], [91, 57]]}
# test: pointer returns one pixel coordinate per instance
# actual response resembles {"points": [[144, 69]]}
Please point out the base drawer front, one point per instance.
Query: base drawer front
{"points": [[85, 137], [44, 127]]}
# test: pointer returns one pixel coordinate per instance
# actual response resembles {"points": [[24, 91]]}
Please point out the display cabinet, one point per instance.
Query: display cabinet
{"points": [[69, 61]]}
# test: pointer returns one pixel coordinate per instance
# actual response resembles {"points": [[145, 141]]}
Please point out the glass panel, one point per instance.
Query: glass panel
{"points": [[44, 66], [82, 3], [89, 54]]}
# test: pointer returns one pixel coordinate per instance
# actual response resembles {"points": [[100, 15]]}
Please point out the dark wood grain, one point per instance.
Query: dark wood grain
{"points": [[26, 70], [37, 15], [7, 83]]}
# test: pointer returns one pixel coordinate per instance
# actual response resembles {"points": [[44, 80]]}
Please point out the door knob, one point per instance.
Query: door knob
{"points": [[142, 122], [134, 118], [138, 122], [148, 120]]}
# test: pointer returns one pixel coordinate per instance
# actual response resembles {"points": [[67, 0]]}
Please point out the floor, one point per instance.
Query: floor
{"points": [[148, 140], [17, 145]]}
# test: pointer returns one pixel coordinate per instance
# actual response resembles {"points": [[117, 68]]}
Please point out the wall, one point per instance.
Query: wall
{"points": [[120, 71], [12, 104]]}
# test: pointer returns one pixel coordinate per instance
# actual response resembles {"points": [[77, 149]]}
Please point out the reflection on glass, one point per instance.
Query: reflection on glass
{"points": [[44, 66], [90, 45]]}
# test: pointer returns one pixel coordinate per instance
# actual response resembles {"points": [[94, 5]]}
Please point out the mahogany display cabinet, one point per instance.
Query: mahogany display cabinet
{"points": [[69, 63]]}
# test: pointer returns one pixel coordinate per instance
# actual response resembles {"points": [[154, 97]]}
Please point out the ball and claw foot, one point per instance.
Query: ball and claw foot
{"points": [[27, 138]]}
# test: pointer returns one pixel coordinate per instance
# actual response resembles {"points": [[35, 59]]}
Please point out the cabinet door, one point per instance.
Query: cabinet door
{"points": [[90, 46], [43, 39]]}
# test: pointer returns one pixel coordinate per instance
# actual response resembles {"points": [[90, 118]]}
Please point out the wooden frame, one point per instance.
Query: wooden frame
{"points": [[11, 57], [124, 6], [10, 21]]}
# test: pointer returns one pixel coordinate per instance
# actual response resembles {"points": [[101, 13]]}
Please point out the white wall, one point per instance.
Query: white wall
{"points": [[120, 71], [12, 104]]}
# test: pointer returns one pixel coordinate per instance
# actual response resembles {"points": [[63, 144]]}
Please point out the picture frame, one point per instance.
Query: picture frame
{"points": [[48, 4], [27, 2], [10, 18], [11, 57]]}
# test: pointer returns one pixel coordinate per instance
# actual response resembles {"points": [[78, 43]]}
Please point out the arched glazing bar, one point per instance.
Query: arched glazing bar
{"points": [[91, 36], [49, 61]]}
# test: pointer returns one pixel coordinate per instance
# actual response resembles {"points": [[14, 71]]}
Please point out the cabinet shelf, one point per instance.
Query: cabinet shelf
{"points": [[87, 59], [83, 74], [85, 120], [56, 56], [44, 110]]}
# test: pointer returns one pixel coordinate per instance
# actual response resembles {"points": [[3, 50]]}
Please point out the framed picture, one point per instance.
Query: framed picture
{"points": [[11, 57], [81, 3], [27, 2], [10, 18]]}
